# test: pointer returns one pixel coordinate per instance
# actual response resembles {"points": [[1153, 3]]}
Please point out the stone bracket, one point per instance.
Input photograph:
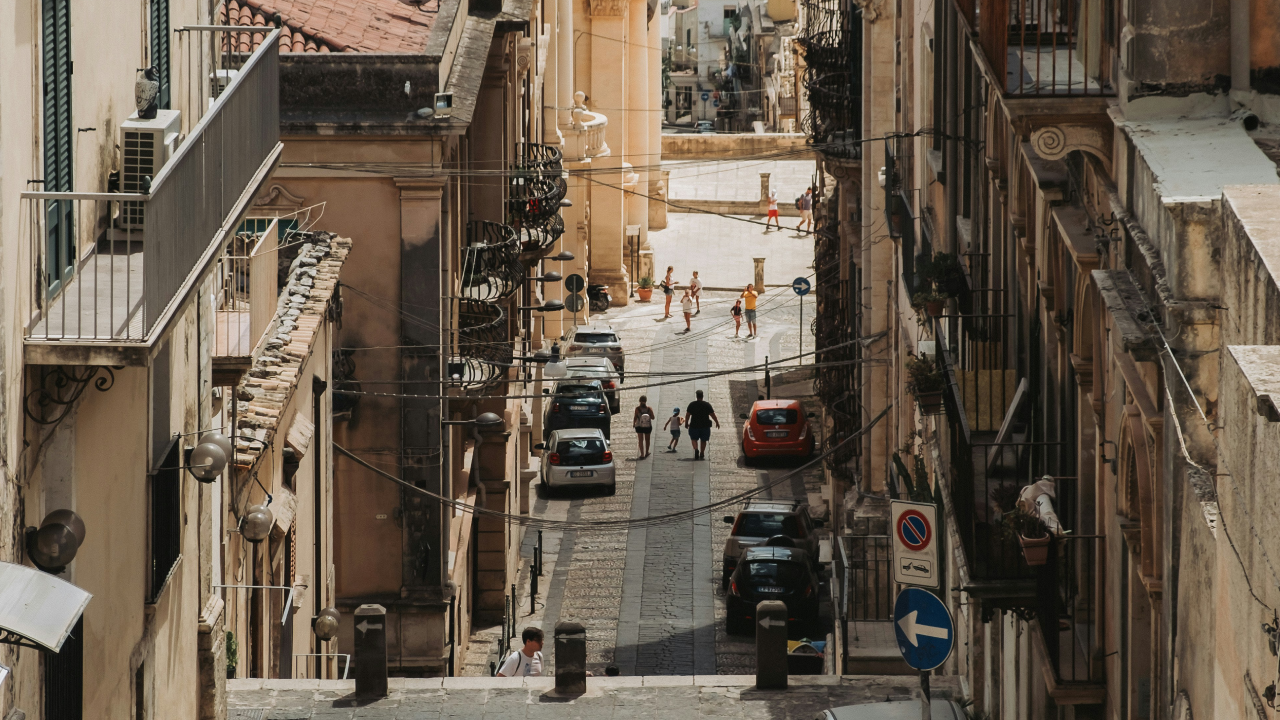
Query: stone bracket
{"points": [[1055, 141]]}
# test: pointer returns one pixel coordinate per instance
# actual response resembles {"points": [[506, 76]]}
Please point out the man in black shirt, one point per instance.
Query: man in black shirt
{"points": [[698, 417]]}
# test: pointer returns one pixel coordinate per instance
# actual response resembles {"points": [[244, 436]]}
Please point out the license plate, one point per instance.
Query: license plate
{"points": [[776, 433], [582, 473], [770, 589], [596, 351]]}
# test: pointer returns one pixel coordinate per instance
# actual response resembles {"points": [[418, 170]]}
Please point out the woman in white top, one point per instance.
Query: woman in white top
{"points": [[686, 304], [643, 422]]}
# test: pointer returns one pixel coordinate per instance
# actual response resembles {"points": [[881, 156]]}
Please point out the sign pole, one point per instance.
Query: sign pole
{"points": [[801, 287], [801, 330], [926, 712]]}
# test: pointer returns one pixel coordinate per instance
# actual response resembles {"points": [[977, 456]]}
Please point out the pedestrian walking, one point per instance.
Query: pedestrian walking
{"points": [[686, 306], [674, 422], [527, 660], [748, 297], [806, 210], [698, 418], [695, 289], [736, 312], [668, 289], [773, 212], [643, 422]]}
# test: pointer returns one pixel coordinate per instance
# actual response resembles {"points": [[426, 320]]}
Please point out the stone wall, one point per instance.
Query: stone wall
{"points": [[705, 146]]}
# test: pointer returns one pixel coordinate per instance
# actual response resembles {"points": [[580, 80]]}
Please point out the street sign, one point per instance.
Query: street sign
{"points": [[915, 546], [574, 302], [801, 286], [706, 97], [923, 627], [574, 283], [715, 103]]}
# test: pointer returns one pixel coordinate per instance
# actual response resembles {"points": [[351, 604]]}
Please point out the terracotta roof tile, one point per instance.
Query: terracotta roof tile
{"points": [[382, 26]]}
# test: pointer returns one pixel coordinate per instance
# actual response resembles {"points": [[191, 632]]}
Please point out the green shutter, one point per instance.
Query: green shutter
{"points": [[160, 47], [58, 132]]}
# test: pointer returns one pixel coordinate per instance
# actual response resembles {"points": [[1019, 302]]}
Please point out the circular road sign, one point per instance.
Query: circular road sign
{"points": [[923, 627], [574, 283], [914, 531], [715, 103], [706, 97], [801, 286], [574, 303]]}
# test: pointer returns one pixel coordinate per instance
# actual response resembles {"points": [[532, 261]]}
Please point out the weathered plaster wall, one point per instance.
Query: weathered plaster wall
{"points": [[1180, 47]]}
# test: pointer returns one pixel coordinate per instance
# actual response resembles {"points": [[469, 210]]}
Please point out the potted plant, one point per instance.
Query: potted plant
{"points": [[233, 658], [932, 301], [645, 288], [1030, 532], [927, 382], [943, 272]]}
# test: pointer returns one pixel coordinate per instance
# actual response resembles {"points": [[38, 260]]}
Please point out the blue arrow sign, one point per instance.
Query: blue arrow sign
{"points": [[801, 286], [923, 627], [706, 97]]}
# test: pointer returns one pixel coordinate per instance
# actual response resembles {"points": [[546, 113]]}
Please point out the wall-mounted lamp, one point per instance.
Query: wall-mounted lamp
{"points": [[256, 524], [325, 625], [1112, 460], [54, 544], [549, 276], [548, 306], [562, 256]]}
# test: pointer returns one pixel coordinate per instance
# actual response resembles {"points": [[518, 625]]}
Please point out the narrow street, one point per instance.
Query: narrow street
{"points": [[650, 598]]}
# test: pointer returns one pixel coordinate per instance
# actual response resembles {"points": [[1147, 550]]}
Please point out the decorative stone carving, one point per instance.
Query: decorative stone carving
{"points": [[278, 196], [1055, 141], [524, 55], [607, 8]]}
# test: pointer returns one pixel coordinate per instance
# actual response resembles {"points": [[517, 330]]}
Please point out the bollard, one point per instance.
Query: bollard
{"points": [[571, 658], [533, 587], [371, 651], [759, 262], [771, 645]]}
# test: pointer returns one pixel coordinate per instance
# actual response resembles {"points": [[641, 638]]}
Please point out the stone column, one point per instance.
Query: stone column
{"points": [[566, 82], [763, 206], [638, 118], [551, 76]]}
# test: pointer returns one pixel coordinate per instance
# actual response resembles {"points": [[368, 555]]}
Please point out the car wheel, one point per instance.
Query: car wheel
{"points": [[735, 625], [611, 489], [747, 461]]}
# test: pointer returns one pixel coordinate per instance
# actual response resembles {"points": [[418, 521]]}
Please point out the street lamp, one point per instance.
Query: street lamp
{"points": [[548, 306], [549, 276], [256, 524], [562, 256], [325, 625], [53, 546]]}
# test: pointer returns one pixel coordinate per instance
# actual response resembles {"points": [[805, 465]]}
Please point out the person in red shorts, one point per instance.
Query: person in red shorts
{"points": [[773, 212]]}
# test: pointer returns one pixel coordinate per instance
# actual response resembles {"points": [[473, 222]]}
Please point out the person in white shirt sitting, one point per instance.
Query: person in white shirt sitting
{"points": [[528, 659]]}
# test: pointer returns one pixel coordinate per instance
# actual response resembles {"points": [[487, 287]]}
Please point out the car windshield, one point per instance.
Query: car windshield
{"points": [[585, 390], [777, 416], [580, 449], [595, 337], [768, 525], [777, 573]]}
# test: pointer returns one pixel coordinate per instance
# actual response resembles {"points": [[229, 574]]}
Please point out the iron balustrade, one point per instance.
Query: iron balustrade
{"points": [[1070, 595], [484, 351], [832, 46], [1043, 47], [536, 243], [491, 267], [96, 275], [537, 186]]}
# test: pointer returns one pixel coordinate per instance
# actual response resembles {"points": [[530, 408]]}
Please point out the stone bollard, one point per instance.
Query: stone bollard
{"points": [[571, 658], [759, 275], [771, 645], [764, 193], [371, 651]]}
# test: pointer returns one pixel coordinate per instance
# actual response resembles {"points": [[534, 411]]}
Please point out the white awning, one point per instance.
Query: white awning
{"points": [[38, 606]]}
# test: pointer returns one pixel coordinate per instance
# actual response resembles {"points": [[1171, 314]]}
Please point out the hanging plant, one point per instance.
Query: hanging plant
{"points": [[943, 272], [930, 301], [927, 381]]}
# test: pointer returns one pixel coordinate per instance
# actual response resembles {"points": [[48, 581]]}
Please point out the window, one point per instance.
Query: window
{"points": [[768, 525], [592, 338], [166, 520], [58, 170], [160, 48], [777, 416], [777, 573], [64, 677], [581, 451]]}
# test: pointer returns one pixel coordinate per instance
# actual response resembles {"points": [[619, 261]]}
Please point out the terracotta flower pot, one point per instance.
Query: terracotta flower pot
{"points": [[1035, 550], [935, 308], [930, 402], [644, 293]]}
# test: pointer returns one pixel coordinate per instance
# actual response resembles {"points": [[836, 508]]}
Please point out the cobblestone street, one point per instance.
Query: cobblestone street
{"points": [[650, 597]]}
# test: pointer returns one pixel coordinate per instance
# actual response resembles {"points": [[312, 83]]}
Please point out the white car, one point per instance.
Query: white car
{"points": [[577, 456], [596, 340], [597, 368]]}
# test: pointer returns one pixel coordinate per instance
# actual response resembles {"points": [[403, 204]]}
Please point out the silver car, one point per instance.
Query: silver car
{"points": [[575, 457], [597, 368], [597, 340]]}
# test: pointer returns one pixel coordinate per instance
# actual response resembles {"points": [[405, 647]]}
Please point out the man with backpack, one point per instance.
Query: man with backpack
{"points": [[528, 659], [804, 204]]}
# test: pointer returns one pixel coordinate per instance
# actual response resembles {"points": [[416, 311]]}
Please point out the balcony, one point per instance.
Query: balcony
{"points": [[537, 186], [586, 138], [246, 286], [1044, 47], [832, 46], [1070, 594], [536, 243], [484, 351], [491, 267], [110, 269]]}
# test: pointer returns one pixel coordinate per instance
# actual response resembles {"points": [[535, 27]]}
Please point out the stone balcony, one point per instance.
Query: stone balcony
{"points": [[584, 139]]}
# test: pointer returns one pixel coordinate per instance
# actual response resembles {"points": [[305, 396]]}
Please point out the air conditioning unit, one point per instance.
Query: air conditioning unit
{"points": [[220, 79], [146, 146]]}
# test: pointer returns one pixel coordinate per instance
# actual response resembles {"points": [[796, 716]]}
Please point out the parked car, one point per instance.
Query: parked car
{"points": [[705, 126], [939, 709], [578, 456], [763, 519], [597, 368], [776, 428], [596, 341], [578, 403], [772, 573]]}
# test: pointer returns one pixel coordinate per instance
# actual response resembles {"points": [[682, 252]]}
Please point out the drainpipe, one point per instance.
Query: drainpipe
{"points": [[1240, 45]]}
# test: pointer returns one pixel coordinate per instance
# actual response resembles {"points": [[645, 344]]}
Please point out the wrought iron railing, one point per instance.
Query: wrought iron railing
{"points": [[537, 186], [491, 267], [832, 45], [536, 243], [836, 376], [1070, 596], [1043, 47], [484, 350]]}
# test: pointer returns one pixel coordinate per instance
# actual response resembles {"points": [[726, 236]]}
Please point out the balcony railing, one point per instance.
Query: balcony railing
{"points": [[247, 287], [536, 243], [587, 138], [1044, 47], [1070, 596], [100, 275], [832, 45], [537, 186], [484, 350], [491, 267]]}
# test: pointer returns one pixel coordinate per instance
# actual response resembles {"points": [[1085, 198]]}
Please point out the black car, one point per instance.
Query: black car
{"points": [[771, 573], [576, 403]]}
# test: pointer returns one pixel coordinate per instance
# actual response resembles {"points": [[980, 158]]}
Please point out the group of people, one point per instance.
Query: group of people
{"points": [[692, 295], [698, 417], [804, 204]]}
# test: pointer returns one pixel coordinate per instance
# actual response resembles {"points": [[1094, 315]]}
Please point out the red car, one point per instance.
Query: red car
{"points": [[776, 428]]}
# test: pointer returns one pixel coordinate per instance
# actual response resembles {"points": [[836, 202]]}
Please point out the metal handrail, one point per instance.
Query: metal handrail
{"points": [[346, 666]]}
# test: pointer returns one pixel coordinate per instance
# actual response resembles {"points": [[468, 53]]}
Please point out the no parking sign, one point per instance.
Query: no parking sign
{"points": [[915, 546]]}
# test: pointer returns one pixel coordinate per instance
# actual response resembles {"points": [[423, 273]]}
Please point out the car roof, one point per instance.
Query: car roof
{"points": [[771, 552], [572, 433], [603, 327], [772, 404], [898, 710], [771, 506]]}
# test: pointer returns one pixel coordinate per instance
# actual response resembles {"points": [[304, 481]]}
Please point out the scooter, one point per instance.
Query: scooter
{"points": [[598, 298]]}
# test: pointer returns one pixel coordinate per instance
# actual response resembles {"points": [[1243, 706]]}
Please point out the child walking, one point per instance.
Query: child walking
{"points": [[736, 312], [674, 422]]}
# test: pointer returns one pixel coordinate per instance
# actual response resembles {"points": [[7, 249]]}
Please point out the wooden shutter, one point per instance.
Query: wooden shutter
{"points": [[160, 47], [58, 170]]}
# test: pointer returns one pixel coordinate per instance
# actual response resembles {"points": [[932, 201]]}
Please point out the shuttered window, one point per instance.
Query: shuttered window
{"points": [[64, 677], [58, 171], [160, 47]]}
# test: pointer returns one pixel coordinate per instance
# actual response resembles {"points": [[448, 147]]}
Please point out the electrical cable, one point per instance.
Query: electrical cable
{"points": [[614, 525]]}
